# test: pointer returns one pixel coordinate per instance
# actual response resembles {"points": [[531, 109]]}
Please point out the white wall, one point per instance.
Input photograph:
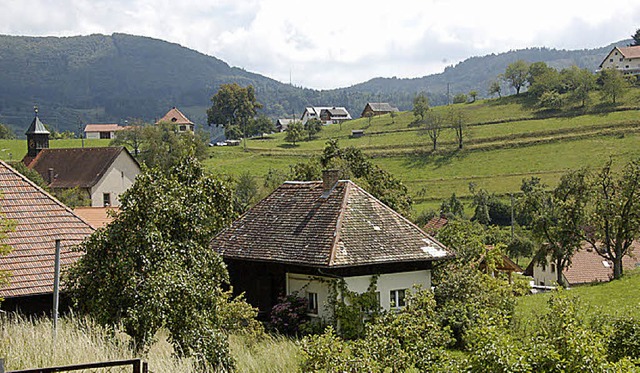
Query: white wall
{"points": [[545, 276], [115, 181], [386, 282], [92, 135], [615, 60]]}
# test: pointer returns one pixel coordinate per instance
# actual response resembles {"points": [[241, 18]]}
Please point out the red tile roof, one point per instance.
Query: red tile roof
{"points": [[630, 52], [435, 224], [587, 267], [97, 217], [175, 116], [300, 224], [40, 220], [75, 167]]}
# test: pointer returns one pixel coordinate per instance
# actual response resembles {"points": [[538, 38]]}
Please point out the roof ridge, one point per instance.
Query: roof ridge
{"points": [[343, 208], [24, 178]]}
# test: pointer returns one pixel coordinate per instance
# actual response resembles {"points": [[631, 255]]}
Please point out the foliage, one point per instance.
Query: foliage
{"points": [[520, 246], [73, 197], [460, 98], [246, 191], [233, 105], [556, 217], [612, 84], [550, 100], [380, 183], [614, 219], [6, 132], [31, 174], [152, 266], [289, 315], [458, 122], [466, 238], [473, 94], [464, 294], [452, 207], [312, 127], [624, 338], [516, 74], [433, 126], [295, 132], [261, 125], [495, 88], [579, 83], [420, 106], [488, 209], [351, 310], [162, 145], [542, 79], [636, 38]]}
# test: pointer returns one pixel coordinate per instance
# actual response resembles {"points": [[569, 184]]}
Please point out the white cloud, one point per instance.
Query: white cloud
{"points": [[333, 43]]}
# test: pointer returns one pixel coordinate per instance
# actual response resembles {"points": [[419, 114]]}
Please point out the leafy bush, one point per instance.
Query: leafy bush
{"points": [[624, 339], [289, 315]]}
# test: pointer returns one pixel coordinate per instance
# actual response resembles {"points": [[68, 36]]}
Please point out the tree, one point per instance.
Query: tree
{"points": [[152, 267], [495, 88], [556, 217], [473, 94], [452, 207], [516, 74], [458, 122], [246, 191], [612, 84], [233, 105], [131, 137], [420, 106], [578, 83], [162, 145], [393, 116], [460, 98], [636, 38], [550, 100], [313, 126], [433, 127], [295, 132], [262, 124], [614, 222], [6, 133], [543, 79]]}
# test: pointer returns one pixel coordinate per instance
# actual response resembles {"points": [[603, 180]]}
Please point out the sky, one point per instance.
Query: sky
{"points": [[336, 43]]}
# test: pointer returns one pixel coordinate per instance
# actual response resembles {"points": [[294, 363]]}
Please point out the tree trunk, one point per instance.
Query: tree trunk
{"points": [[617, 262], [559, 272], [435, 143]]}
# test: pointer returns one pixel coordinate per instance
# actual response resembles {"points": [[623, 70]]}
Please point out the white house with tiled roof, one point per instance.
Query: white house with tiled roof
{"points": [[625, 59], [325, 114], [175, 116], [305, 235], [102, 131]]}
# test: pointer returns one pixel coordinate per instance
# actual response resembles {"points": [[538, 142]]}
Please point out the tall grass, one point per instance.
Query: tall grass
{"points": [[30, 343]]}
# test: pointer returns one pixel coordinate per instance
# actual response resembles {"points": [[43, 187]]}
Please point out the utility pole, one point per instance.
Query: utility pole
{"points": [[512, 217]]}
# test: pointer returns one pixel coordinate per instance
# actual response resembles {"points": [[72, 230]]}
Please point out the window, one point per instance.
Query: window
{"points": [[183, 128], [611, 60], [105, 135], [106, 199], [312, 305], [621, 60], [396, 298]]}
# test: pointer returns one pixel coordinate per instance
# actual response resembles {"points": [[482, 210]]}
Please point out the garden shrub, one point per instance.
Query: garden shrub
{"points": [[289, 315]]}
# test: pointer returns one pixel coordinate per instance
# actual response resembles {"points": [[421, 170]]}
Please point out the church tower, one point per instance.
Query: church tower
{"points": [[37, 136]]}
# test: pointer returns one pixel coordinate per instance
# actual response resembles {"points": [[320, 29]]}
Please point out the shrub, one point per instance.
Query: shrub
{"points": [[289, 315]]}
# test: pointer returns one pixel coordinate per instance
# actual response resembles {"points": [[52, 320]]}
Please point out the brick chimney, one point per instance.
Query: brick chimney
{"points": [[329, 179]]}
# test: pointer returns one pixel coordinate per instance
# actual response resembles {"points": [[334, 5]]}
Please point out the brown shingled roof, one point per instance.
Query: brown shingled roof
{"points": [[107, 127], [97, 217], [296, 224], [75, 167], [587, 267], [40, 220], [630, 52], [175, 116], [435, 224]]}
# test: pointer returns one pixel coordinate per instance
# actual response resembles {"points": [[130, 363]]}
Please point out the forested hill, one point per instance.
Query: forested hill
{"points": [[112, 78]]}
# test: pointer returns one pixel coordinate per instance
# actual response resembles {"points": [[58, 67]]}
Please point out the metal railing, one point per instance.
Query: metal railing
{"points": [[118, 366]]}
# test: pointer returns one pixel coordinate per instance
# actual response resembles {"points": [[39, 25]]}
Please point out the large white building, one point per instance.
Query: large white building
{"points": [[625, 59]]}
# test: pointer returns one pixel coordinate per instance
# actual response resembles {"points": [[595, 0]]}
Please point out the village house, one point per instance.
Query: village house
{"points": [[175, 116], [625, 59], [586, 267], [306, 235], [39, 220], [282, 124], [102, 131], [325, 114], [377, 108]]}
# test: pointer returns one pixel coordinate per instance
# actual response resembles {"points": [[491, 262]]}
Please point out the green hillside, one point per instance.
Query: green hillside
{"points": [[505, 143]]}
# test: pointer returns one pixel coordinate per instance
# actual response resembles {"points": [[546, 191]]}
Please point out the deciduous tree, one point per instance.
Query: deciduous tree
{"points": [[636, 38], [614, 222], [295, 133], [612, 84], [458, 122], [516, 74], [433, 127], [495, 88], [152, 267], [420, 106], [6, 133], [233, 105], [313, 126]]}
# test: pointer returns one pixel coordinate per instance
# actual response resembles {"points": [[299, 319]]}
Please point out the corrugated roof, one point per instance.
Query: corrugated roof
{"points": [[40, 220], [75, 167], [175, 116], [297, 225]]}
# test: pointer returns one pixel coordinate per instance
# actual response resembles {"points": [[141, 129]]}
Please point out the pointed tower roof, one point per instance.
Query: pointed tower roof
{"points": [[37, 127]]}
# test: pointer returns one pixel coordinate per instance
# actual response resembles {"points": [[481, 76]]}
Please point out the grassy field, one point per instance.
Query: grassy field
{"points": [[28, 344]]}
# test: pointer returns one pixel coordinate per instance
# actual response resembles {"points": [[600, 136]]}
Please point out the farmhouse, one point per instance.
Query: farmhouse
{"points": [[307, 235], [625, 59], [282, 124], [102, 131], [39, 220], [176, 117], [377, 108], [325, 114], [102, 173], [586, 267]]}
